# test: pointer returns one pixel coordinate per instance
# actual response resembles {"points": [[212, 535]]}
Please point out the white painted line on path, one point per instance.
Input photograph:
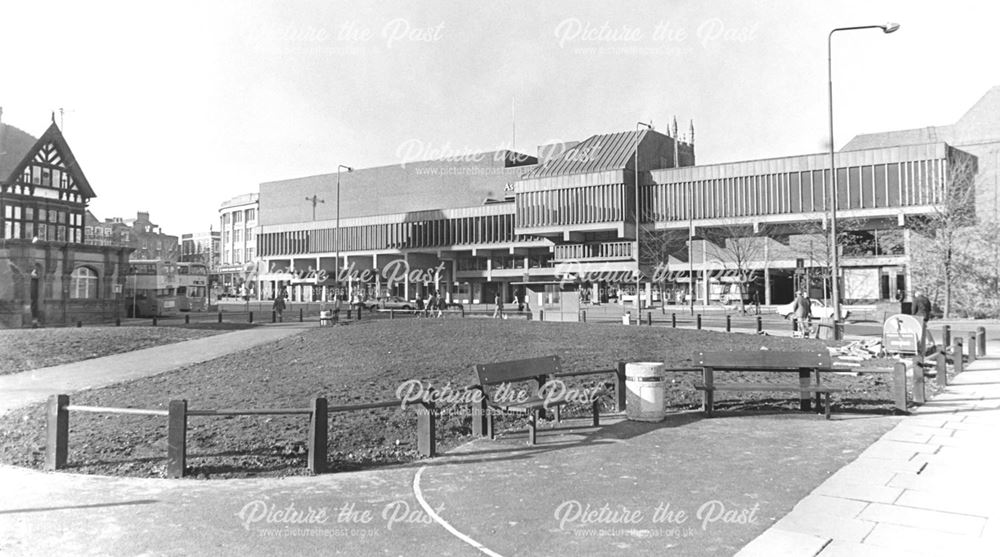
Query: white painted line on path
{"points": [[437, 518]]}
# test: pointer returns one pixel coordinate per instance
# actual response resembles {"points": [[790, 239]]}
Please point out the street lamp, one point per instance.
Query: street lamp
{"points": [[638, 306], [886, 28], [336, 264]]}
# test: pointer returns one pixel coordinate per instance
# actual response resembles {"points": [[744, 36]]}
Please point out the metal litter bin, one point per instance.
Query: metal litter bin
{"points": [[645, 388]]}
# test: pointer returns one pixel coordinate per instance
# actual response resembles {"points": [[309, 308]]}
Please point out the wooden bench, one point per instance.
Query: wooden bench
{"points": [[808, 365], [506, 397]]}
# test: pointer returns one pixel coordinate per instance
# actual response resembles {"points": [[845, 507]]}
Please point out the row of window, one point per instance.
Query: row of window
{"points": [[236, 256], [436, 233], [46, 177], [53, 225], [858, 187], [590, 204], [237, 217]]}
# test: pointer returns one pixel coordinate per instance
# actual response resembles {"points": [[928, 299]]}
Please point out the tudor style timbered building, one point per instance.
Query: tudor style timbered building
{"points": [[48, 275]]}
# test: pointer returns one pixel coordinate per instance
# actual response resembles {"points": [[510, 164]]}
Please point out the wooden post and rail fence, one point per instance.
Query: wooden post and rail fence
{"points": [[177, 414]]}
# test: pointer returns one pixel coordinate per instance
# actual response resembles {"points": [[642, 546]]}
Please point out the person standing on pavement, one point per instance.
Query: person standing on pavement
{"points": [[498, 311], [801, 312], [921, 308], [279, 305]]}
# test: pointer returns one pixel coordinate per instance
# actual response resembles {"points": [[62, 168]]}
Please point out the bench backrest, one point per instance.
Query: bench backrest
{"points": [[518, 370], [764, 359]]}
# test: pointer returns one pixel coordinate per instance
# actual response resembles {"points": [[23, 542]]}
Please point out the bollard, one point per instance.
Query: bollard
{"points": [[946, 335], [942, 369], [348, 313], [187, 319], [699, 322], [154, 320], [981, 333], [250, 317], [427, 428], [274, 316], [620, 394], [462, 309], [760, 325], [176, 438], [541, 315], [392, 313], [118, 321], [359, 312], [56, 448], [583, 316], [899, 387], [318, 423], [673, 320], [729, 323], [970, 348], [957, 356], [795, 325], [300, 315], [220, 316], [79, 323], [649, 318], [919, 392]]}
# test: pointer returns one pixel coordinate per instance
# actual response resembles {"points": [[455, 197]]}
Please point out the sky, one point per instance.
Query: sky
{"points": [[175, 107]]}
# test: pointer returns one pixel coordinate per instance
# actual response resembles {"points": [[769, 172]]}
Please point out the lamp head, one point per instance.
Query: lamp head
{"points": [[890, 27]]}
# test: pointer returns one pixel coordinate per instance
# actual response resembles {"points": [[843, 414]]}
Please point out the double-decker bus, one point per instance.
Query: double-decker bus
{"points": [[192, 286], [151, 288]]}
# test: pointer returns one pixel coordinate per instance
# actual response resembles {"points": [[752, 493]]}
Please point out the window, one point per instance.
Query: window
{"points": [[251, 215], [238, 216], [83, 284]]}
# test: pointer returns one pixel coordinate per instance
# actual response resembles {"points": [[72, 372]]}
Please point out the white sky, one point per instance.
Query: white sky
{"points": [[177, 108]]}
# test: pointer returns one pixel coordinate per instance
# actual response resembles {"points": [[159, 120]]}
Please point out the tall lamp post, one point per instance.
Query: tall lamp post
{"points": [[886, 28], [336, 263], [638, 306]]}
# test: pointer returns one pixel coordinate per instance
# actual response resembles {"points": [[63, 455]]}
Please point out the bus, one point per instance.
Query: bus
{"points": [[151, 288], [192, 286]]}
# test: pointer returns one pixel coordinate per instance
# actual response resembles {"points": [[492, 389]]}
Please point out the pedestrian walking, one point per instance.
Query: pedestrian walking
{"points": [[279, 304], [802, 312], [921, 308], [498, 310]]}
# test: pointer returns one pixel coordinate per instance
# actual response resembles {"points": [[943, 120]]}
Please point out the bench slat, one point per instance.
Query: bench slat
{"points": [[764, 359], [768, 388], [517, 370]]}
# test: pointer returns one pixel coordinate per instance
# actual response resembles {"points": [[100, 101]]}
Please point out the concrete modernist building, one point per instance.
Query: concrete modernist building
{"points": [[239, 225], [48, 273], [508, 223]]}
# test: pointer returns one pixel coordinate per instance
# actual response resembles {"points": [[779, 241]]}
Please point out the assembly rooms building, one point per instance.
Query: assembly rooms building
{"points": [[509, 223]]}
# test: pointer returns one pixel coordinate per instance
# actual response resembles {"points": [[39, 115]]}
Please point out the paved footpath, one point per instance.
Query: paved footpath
{"points": [[927, 487], [21, 389]]}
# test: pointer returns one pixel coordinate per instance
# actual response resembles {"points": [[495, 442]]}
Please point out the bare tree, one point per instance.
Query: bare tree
{"points": [[942, 251], [655, 250], [741, 251]]}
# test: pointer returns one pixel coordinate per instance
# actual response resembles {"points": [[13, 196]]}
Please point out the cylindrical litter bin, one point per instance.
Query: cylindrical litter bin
{"points": [[645, 388], [627, 319]]}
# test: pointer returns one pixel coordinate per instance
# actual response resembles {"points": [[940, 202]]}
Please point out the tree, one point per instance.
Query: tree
{"points": [[740, 250], [942, 253], [655, 249]]}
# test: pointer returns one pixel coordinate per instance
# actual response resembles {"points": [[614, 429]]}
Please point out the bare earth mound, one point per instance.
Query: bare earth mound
{"points": [[364, 363]]}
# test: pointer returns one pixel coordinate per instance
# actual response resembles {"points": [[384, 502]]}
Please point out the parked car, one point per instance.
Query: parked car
{"points": [[819, 310], [392, 302]]}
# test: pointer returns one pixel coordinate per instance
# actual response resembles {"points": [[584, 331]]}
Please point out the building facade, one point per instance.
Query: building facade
{"points": [[239, 227], [202, 247], [48, 272]]}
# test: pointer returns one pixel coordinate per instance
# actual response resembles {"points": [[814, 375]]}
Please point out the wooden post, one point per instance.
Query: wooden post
{"points": [[318, 424], [118, 321], [760, 325], [899, 387], [220, 316], [359, 312], [957, 355], [79, 323], [981, 333], [971, 347], [919, 393], [729, 323], [154, 320], [187, 318], [942, 368], [250, 317], [274, 316], [479, 411], [57, 445], [583, 316], [300, 315], [708, 396], [805, 381], [649, 318], [946, 335], [392, 313], [176, 438], [673, 320], [426, 429], [698, 322], [620, 387]]}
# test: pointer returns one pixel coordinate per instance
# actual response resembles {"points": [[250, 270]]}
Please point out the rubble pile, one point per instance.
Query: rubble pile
{"points": [[857, 351]]}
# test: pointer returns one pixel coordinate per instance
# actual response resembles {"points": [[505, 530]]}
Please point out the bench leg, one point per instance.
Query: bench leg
{"points": [[532, 427], [479, 419], [827, 400], [708, 402], [490, 428], [597, 413], [558, 412]]}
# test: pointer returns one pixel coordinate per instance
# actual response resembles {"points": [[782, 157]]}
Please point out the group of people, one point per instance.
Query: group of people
{"points": [[802, 311], [432, 304]]}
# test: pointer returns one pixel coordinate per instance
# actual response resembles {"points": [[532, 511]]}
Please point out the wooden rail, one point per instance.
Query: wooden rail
{"points": [[178, 413]]}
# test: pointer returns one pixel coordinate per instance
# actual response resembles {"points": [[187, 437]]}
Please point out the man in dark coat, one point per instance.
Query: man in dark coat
{"points": [[802, 312], [921, 308]]}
